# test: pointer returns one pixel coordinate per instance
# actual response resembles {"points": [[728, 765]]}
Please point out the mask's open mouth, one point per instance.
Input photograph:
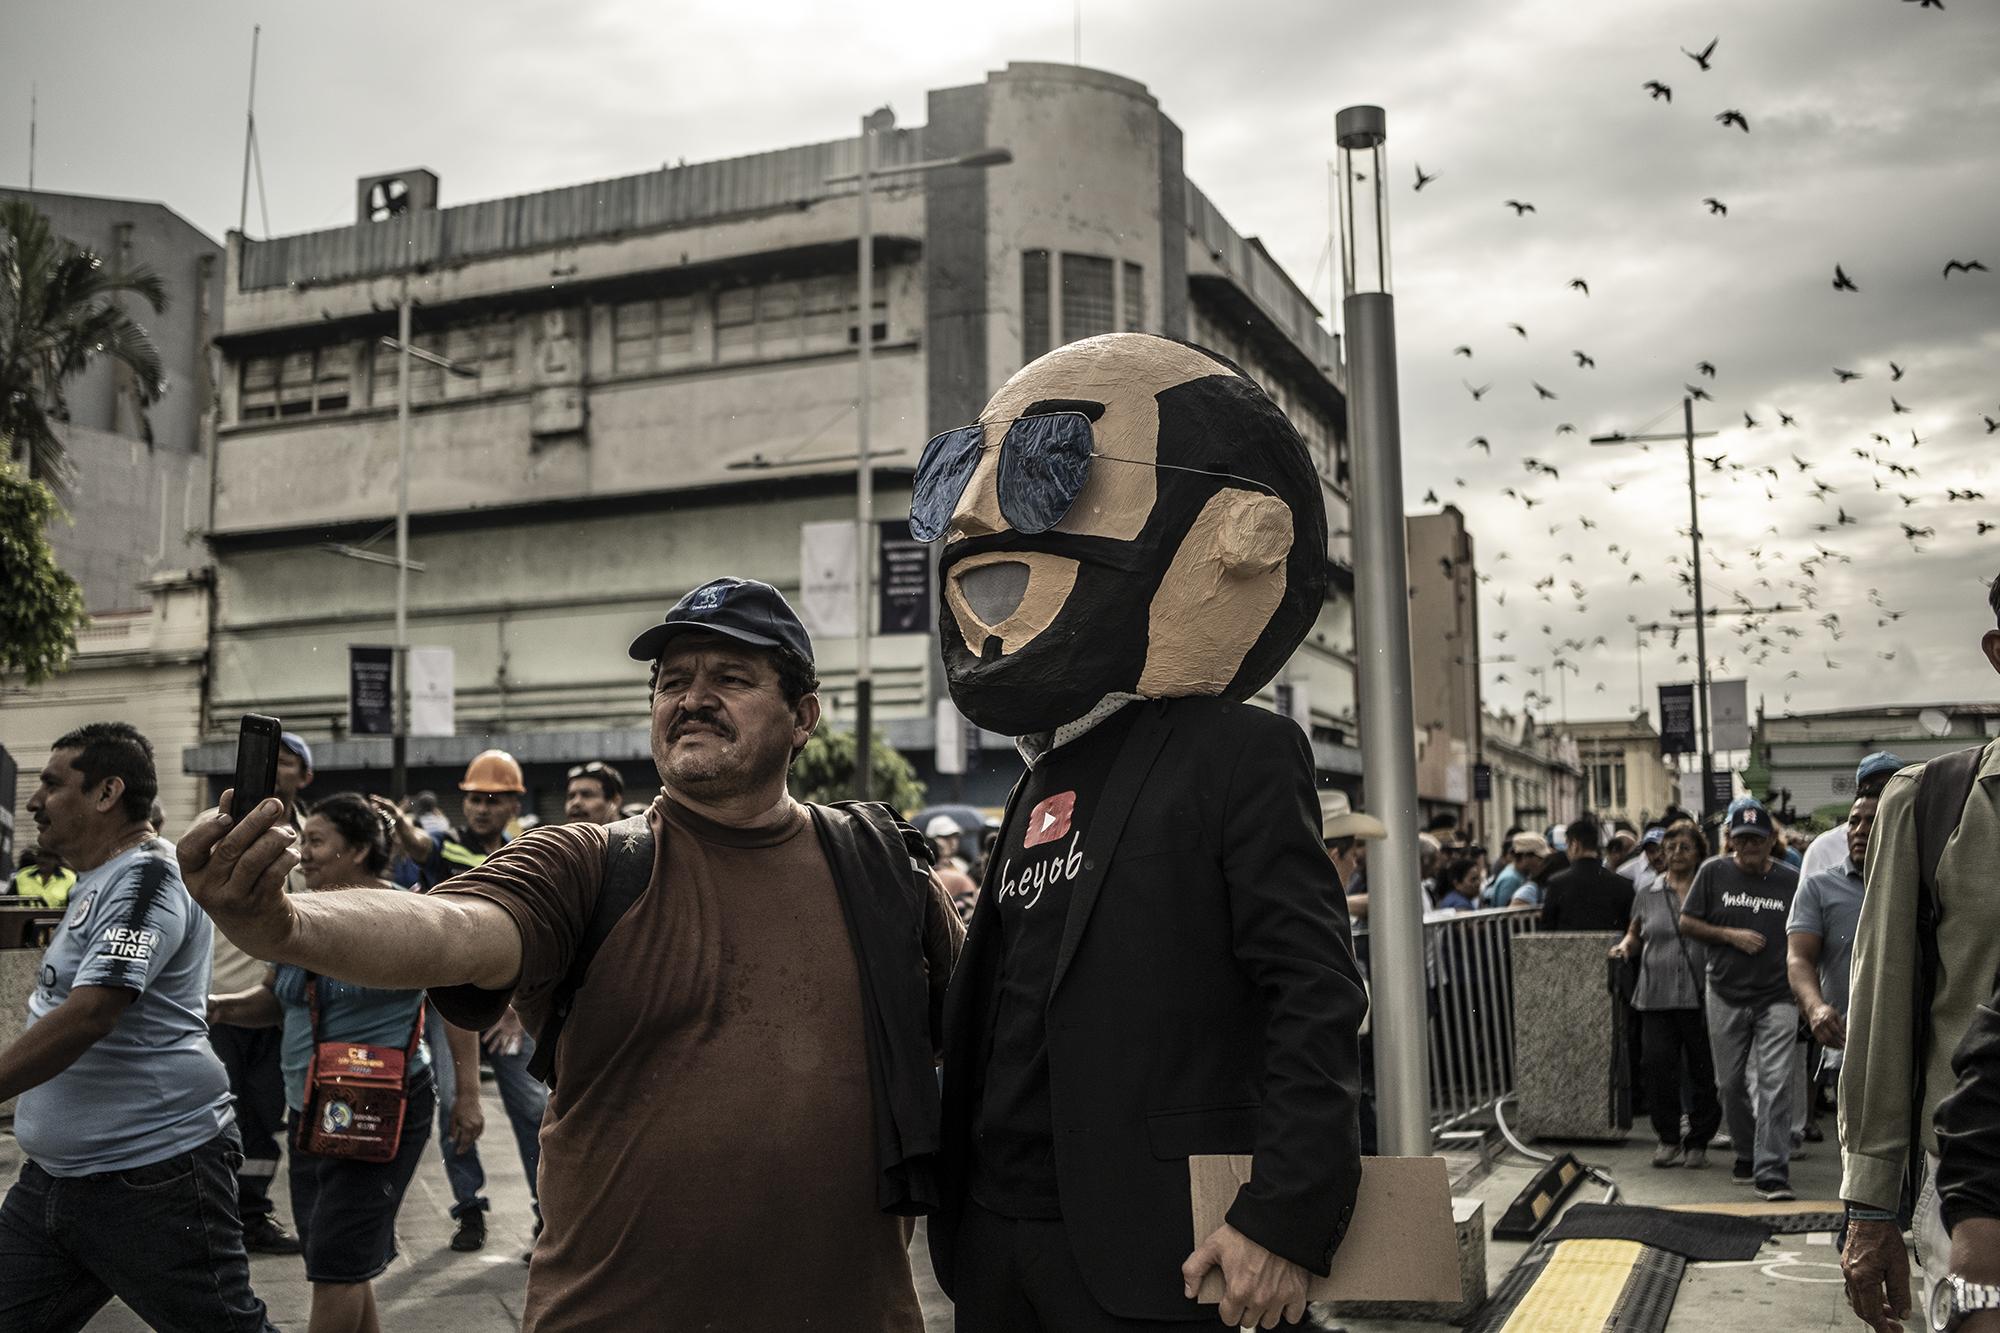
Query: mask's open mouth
{"points": [[1008, 597], [994, 591]]}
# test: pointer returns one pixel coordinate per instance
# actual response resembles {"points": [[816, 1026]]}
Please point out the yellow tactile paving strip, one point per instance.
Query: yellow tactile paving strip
{"points": [[1578, 1289]]}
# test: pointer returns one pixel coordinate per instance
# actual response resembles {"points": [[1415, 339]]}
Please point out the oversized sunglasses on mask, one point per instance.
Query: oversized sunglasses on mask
{"points": [[1044, 463]]}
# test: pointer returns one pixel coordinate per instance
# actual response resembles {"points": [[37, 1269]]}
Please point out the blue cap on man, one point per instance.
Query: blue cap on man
{"points": [[291, 740], [742, 609], [1879, 764]]}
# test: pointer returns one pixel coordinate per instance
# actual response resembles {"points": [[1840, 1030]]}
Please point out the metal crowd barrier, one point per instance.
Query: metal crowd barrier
{"points": [[1468, 957]]}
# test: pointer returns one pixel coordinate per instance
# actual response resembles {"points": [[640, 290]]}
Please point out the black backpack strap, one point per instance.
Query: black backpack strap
{"points": [[628, 868], [1943, 788]]}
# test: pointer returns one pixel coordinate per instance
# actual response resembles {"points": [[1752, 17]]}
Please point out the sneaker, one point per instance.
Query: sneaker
{"points": [[1742, 1173], [471, 1233], [1774, 1190], [1697, 1159], [1668, 1154], [1814, 1134], [265, 1235]]}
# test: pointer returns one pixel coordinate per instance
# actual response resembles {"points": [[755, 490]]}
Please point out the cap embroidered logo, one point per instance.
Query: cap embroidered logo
{"points": [[1049, 820]]}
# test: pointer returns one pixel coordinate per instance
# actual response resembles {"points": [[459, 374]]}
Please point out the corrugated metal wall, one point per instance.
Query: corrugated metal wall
{"points": [[655, 201]]}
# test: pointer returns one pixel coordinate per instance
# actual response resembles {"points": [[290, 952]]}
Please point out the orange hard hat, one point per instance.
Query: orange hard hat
{"points": [[493, 771]]}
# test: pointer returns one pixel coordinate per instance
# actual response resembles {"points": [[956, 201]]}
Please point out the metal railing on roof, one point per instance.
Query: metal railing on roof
{"points": [[660, 200]]}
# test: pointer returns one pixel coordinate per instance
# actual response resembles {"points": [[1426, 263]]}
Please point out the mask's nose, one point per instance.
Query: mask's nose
{"points": [[994, 591]]}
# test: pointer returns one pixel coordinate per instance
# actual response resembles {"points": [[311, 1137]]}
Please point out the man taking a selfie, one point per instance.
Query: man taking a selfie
{"points": [[745, 1110]]}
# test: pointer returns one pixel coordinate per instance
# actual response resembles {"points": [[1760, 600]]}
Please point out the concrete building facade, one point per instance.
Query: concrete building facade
{"points": [[145, 667], [1624, 774], [1536, 777], [1444, 661], [1807, 760], [140, 495], [662, 388]]}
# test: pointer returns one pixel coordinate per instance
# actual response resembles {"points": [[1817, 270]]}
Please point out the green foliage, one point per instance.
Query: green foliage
{"points": [[41, 608], [824, 771], [58, 313]]}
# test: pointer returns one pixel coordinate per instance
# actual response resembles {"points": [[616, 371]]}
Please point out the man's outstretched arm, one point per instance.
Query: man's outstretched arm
{"points": [[385, 938]]}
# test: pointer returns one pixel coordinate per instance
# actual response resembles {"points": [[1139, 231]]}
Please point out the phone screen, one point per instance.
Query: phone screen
{"points": [[256, 763]]}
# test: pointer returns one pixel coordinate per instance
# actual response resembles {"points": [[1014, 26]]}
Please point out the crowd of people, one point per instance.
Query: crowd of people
{"points": [[169, 1066]]}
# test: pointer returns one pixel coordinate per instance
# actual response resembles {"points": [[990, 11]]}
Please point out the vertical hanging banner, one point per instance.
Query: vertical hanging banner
{"points": [[826, 578], [902, 580], [1677, 724], [371, 690], [1729, 714], [1689, 785], [431, 693]]}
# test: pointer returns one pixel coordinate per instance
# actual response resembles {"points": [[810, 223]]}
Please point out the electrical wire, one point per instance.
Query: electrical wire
{"points": [[1596, 1173]]}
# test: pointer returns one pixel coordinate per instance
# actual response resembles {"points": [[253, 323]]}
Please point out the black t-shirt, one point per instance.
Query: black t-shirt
{"points": [[1035, 866], [1587, 897], [1723, 895]]}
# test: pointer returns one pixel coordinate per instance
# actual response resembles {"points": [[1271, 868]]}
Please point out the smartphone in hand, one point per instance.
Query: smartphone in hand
{"points": [[256, 763]]}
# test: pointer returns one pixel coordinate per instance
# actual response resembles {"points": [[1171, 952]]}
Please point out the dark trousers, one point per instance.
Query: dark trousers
{"points": [[257, 1087], [1673, 1042], [1019, 1276], [165, 1239]]}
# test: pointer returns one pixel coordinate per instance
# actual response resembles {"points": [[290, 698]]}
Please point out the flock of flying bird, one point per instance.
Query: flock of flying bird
{"points": [[1785, 578]]}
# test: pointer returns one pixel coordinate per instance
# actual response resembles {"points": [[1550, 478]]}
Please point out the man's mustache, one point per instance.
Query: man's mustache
{"points": [[709, 718]]}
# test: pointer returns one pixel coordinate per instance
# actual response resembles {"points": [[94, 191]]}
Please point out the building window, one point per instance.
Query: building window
{"points": [[652, 335], [297, 384], [485, 346], [1036, 336], [426, 377], [1135, 298], [1087, 304], [1607, 785], [794, 317]]}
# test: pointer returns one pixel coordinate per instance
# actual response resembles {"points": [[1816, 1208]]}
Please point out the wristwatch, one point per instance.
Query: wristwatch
{"points": [[1955, 1298]]}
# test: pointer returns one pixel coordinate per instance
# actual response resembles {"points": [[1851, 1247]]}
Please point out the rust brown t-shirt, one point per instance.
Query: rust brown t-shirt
{"points": [[708, 1156]]}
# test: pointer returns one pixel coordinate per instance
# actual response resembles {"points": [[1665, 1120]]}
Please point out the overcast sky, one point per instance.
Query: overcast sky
{"points": [[1874, 143]]}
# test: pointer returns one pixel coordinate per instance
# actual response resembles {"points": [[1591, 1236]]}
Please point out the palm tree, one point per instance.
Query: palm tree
{"points": [[59, 313]]}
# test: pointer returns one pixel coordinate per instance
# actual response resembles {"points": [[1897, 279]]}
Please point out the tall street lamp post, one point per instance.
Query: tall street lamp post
{"points": [[1688, 436], [1382, 634], [873, 124]]}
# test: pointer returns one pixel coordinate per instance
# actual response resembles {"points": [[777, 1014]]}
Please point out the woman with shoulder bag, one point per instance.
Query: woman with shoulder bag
{"points": [[1673, 1032], [358, 1085]]}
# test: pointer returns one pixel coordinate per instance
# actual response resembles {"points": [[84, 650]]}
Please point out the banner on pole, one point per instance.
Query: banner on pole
{"points": [[902, 579], [1729, 714], [432, 697], [1677, 724], [371, 690], [1690, 791], [826, 578]]}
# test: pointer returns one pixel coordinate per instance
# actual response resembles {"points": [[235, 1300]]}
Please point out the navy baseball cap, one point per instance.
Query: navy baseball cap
{"points": [[1654, 837], [296, 743], [1751, 817], [1879, 764], [743, 609]]}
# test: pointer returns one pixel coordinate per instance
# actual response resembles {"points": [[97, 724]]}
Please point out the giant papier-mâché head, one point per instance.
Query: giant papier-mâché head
{"points": [[1130, 514]]}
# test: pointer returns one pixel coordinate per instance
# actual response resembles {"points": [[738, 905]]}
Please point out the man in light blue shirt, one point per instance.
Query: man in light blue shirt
{"points": [[1819, 942], [129, 1186], [1528, 853]]}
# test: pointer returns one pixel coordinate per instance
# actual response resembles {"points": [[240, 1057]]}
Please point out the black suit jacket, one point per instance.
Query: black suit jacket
{"points": [[1205, 1000], [1587, 896]]}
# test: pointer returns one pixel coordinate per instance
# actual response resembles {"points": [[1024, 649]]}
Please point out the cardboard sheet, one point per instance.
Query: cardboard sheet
{"points": [[1401, 1246]]}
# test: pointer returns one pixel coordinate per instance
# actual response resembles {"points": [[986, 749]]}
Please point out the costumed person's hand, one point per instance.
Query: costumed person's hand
{"points": [[1877, 1269], [1259, 1287], [1827, 1028], [468, 1122], [506, 1036], [237, 873]]}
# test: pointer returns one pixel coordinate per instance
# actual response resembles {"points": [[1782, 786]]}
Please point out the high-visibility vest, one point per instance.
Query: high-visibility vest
{"points": [[458, 854], [51, 889]]}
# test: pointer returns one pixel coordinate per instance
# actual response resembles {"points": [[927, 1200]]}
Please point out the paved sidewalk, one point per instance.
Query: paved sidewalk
{"points": [[1793, 1285]]}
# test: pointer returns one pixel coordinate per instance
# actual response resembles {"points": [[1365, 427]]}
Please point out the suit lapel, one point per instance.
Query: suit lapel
{"points": [[966, 983], [1136, 754]]}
